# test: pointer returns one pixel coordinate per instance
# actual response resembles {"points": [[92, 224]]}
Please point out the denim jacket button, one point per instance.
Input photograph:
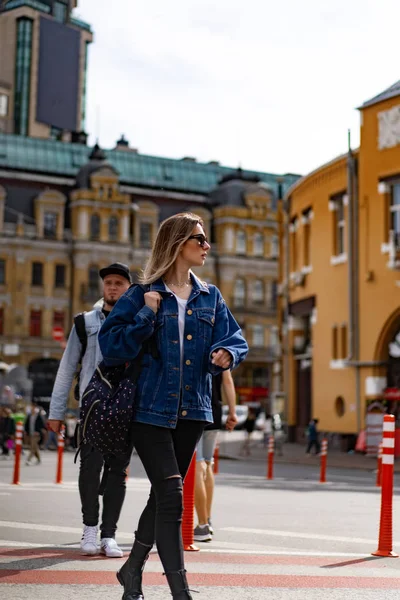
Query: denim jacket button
{"points": [[188, 362], [189, 312], [184, 413], [187, 387], [189, 337]]}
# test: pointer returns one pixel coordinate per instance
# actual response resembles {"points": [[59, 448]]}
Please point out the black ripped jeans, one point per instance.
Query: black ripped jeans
{"points": [[92, 464], [165, 453]]}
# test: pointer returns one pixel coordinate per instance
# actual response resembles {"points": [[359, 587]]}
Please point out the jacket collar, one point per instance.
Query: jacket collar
{"points": [[198, 285]]}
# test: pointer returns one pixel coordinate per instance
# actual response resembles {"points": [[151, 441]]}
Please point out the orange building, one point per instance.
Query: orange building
{"points": [[339, 283]]}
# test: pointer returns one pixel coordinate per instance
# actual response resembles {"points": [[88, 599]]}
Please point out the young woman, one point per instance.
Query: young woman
{"points": [[197, 337]]}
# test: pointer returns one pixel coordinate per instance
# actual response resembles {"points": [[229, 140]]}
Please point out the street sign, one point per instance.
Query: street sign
{"points": [[58, 334]]}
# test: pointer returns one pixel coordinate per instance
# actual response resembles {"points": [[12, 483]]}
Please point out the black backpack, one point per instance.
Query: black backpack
{"points": [[80, 328], [108, 403]]}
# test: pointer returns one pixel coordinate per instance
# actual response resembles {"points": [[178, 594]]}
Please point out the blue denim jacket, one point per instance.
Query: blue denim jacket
{"points": [[166, 390], [70, 362]]}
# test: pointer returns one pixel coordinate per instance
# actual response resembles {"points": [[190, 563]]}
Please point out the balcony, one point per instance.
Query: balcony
{"points": [[252, 308], [262, 353]]}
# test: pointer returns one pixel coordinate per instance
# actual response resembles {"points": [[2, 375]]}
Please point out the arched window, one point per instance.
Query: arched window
{"points": [[94, 227], [258, 292], [258, 244], [113, 229], [240, 242], [239, 293]]}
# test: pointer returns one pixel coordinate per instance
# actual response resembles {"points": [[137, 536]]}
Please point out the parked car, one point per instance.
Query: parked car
{"points": [[241, 412]]}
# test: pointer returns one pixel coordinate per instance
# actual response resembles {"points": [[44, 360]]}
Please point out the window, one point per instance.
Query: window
{"points": [[94, 227], [335, 342], [343, 341], [35, 327], [258, 336], [113, 229], [306, 218], [23, 75], [293, 243], [60, 276], [60, 12], [395, 215], [2, 271], [258, 292], [340, 223], [50, 225], [94, 279], [258, 248], [240, 242], [59, 319], [37, 273], [1, 321], [271, 294], [274, 246], [3, 105], [145, 234], [239, 297]]}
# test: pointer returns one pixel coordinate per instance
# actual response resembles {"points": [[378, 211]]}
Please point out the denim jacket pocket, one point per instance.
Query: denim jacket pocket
{"points": [[206, 320]]}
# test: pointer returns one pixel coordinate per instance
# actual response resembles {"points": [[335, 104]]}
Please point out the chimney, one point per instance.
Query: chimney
{"points": [[123, 145]]}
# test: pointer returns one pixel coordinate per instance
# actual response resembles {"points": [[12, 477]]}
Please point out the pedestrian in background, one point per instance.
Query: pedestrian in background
{"points": [[268, 429], [7, 431], [313, 437], [223, 387], [249, 427], [83, 349], [35, 429], [197, 337]]}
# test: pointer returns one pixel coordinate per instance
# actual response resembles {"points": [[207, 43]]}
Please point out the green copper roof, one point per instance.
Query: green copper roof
{"points": [[64, 159]]}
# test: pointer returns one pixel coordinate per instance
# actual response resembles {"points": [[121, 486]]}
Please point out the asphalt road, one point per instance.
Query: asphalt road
{"points": [[287, 538]]}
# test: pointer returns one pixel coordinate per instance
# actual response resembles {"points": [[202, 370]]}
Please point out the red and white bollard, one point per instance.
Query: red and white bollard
{"points": [[188, 508], [19, 429], [379, 469], [60, 455], [216, 459], [385, 545], [324, 455], [271, 452]]}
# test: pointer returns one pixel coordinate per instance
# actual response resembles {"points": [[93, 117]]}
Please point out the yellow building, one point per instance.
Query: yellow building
{"points": [[339, 282]]}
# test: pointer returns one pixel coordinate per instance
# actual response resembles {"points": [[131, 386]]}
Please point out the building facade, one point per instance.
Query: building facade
{"points": [[44, 54], [67, 210], [339, 283]]}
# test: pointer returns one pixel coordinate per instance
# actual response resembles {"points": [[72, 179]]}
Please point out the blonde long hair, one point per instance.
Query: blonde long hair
{"points": [[171, 235]]}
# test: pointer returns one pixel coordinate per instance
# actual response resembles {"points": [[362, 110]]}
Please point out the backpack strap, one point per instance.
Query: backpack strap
{"points": [[80, 328]]}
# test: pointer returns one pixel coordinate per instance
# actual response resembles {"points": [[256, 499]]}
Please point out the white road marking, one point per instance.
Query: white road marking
{"points": [[53, 528], [295, 534]]}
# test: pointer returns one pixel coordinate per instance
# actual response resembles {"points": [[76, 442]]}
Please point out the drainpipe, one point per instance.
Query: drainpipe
{"points": [[352, 359], [286, 368]]}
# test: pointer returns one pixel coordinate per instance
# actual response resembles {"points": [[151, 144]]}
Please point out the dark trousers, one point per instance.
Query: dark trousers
{"points": [[91, 466], [165, 453], [311, 444]]}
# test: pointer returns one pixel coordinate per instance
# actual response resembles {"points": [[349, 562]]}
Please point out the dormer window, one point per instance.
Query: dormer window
{"points": [[50, 225]]}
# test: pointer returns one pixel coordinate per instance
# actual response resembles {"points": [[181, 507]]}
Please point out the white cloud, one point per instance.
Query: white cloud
{"points": [[272, 85]]}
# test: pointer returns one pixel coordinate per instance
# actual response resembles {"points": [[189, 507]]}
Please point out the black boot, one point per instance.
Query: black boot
{"points": [[130, 574], [179, 585]]}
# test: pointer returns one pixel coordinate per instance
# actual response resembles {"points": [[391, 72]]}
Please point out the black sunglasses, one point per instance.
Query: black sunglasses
{"points": [[202, 239]]}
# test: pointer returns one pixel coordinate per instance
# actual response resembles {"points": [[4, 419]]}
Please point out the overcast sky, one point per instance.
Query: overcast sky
{"points": [[270, 85]]}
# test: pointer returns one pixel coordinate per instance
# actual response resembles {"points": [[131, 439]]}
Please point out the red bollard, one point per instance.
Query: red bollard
{"points": [[324, 453], [385, 545], [271, 452], [60, 455], [188, 508], [18, 451], [379, 469], [216, 459]]}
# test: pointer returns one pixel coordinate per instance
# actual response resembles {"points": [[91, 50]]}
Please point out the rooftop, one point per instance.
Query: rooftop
{"points": [[391, 92], [64, 159]]}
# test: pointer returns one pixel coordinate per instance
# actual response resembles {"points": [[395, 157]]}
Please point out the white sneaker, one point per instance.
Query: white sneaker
{"points": [[110, 548], [89, 545]]}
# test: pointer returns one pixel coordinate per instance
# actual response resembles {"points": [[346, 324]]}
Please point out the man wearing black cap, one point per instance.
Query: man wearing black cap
{"points": [[83, 349]]}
